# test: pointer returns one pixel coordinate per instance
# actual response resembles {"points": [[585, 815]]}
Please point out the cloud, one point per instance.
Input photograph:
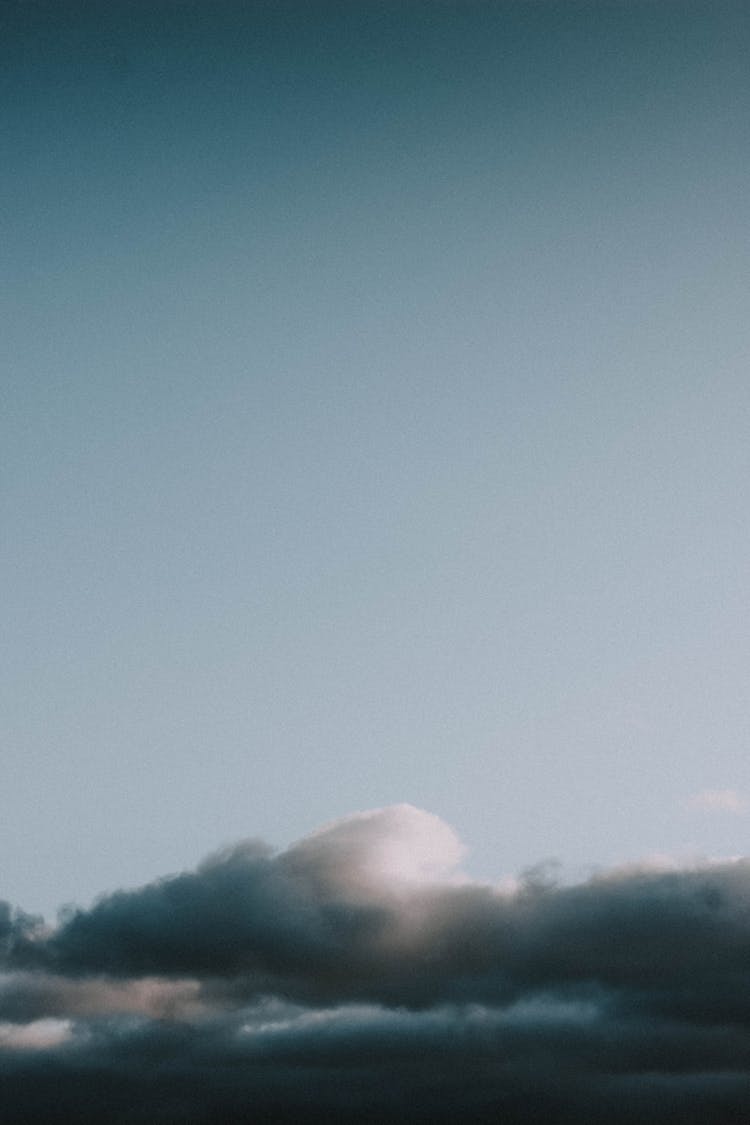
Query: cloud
{"points": [[719, 800], [359, 976], [395, 848], [36, 1035]]}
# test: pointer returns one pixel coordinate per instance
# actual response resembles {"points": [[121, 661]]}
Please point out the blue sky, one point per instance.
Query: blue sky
{"points": [[375, 426]]}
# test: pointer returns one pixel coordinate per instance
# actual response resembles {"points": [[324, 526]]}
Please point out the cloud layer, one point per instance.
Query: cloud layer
{"points": [[359, 976]]}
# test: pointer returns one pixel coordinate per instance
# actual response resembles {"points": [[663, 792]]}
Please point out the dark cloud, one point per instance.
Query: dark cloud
{"points": [[356, 977], [21, 935]]}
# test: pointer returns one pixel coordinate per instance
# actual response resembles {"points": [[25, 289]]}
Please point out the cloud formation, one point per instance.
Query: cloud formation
{"points": [[719, 800], [359, 976]]}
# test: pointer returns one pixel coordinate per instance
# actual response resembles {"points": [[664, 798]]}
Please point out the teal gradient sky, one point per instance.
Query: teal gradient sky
{"points": [[375, 428]]}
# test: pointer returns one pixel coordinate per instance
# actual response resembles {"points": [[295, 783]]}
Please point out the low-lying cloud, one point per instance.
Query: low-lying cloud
{"points": [[360, 976]]}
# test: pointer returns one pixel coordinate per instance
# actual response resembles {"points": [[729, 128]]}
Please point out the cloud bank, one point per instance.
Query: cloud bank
{"points": [[359, 976]]}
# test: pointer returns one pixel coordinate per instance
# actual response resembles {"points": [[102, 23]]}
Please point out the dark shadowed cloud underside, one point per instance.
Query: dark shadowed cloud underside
{"points": [[359, 975]]}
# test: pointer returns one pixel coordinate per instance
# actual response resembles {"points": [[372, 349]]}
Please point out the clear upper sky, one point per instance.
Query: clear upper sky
{"points": [[375, 428]]}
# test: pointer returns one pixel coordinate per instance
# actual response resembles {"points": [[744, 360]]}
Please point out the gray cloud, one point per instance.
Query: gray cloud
{"points": [[358, 975]]}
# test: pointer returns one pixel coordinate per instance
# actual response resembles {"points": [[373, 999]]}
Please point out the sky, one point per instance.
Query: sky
{"points": [[374, 424]]}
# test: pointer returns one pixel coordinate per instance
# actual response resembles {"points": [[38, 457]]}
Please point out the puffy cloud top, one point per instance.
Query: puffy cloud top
{"points": [[387, 851]]}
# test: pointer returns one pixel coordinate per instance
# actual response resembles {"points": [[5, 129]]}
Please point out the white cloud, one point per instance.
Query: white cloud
{"points": [[39, 1035], [398, 846], [719, 800]]}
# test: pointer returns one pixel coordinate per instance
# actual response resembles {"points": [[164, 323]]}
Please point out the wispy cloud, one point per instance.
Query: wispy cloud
{"points": [[353, 977], [719, 800], [35, 1035]]}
